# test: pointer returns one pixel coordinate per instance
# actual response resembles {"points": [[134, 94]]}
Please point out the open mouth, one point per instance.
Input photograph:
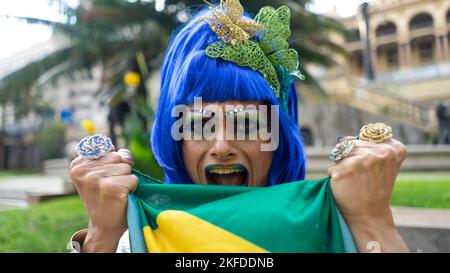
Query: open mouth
{"points": [[231, 175]]}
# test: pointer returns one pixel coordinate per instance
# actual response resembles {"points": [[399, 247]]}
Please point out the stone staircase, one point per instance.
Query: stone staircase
{"points": [[419, 158], [376, 100]]}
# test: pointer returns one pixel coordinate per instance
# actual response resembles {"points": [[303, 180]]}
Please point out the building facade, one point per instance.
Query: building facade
{"points": [[73, 99], [407, 43]]}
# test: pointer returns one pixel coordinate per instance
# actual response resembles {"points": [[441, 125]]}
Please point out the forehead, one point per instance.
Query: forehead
{"points": [[226, 104]]}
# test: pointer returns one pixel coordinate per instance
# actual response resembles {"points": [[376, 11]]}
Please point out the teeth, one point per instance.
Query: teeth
{"points": [[218, 171]]}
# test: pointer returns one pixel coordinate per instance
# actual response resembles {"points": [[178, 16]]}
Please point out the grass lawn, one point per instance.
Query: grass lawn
{"points": [[421, 191], [16, 173], [47, 227]]}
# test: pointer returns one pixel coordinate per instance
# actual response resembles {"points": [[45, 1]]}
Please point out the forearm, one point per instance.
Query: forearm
{"points": [[377, 236]]}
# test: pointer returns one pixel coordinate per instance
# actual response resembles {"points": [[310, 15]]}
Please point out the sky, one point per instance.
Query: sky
{"points": [[16, 36]]}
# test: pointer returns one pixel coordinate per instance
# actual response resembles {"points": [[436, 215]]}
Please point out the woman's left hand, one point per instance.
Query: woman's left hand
{"points": [[362, 185]]}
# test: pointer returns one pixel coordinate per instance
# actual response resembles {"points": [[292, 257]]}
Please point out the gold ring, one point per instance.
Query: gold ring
{"points": [[375, 132]]}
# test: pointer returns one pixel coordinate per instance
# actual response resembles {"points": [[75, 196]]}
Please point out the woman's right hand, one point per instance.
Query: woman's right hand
{"points": [[103, 185]]}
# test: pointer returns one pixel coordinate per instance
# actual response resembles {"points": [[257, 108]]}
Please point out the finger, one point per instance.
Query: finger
{"points": [[335, 173], [76, 162], [110, 158], [389, 147], [359, 147], [80, 159], [400, 149], [330, 171], [366, 144], [126, 155], [111, 170], [130, 182], [356, 155], [343, 138]]}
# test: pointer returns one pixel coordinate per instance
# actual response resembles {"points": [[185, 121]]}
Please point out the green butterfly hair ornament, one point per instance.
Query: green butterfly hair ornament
{"points": [[260, 44]]}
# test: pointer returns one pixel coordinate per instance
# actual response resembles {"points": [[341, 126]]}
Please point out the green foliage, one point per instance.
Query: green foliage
{"points": [[50, 140], [124, 36], [111, 32], [45, 227], [139, 144], [144, 159]]}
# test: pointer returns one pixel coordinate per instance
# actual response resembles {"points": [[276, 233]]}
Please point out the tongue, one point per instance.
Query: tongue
{"points": [[234, 179]]}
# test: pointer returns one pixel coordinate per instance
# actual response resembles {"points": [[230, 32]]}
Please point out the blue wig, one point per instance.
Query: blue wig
{"points": [[187, 72]]}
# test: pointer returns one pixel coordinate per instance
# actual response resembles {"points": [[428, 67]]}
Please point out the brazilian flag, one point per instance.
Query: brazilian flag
{"points": [[293, 217]]}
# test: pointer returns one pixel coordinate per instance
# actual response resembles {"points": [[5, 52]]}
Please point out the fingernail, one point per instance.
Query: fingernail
{"points": [[339, 138], [126, 155]]}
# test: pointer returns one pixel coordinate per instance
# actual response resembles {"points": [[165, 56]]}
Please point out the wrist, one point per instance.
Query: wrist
{"points": [[377, 234], [372, 222], [101, 241]]}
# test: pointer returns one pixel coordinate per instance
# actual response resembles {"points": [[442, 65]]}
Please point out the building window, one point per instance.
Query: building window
{"points": [[388, 56], [356, 61], [392, 57], [354, 36], [421, 20], [386, 29], [425, 51]]}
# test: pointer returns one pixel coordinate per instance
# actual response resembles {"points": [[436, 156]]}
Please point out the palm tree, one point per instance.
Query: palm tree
{"points": [[123, 36], [310, 33], [119, 36], [111, 31]]}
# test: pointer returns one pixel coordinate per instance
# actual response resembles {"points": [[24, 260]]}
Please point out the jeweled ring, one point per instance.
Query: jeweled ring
{"points": [[342, 149], [94, 147], [375, 132]]}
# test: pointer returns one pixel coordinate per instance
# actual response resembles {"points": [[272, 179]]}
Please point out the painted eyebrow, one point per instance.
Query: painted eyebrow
{"points": [[229, 113], [241, 110], [201, 111]]}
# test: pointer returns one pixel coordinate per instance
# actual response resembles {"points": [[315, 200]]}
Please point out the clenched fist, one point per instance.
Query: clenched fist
{"points": [[103, 185], [362, 185]]}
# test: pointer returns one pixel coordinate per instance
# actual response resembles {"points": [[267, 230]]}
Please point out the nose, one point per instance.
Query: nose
{"points": [[222, 150]]}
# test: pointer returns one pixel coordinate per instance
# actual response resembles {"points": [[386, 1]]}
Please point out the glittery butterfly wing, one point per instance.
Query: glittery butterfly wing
{"points": [[276, 28], [228, 24], [274, 37], [247, 54], [232, 8]]}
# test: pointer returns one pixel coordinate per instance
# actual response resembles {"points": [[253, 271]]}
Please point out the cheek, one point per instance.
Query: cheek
{"points": [[261, 168], [188, 155], [192, 155], [260, 161], [265, 162]]}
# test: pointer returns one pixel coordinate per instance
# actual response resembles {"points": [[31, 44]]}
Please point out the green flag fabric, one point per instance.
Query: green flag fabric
{"points": [[297, 217]]}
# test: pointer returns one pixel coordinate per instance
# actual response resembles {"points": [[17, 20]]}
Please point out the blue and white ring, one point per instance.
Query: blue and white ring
{"points": [[94, 147]]}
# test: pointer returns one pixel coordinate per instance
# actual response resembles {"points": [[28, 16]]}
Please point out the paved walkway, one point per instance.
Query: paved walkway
{"points": [[14, 190], [423, 218]]}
